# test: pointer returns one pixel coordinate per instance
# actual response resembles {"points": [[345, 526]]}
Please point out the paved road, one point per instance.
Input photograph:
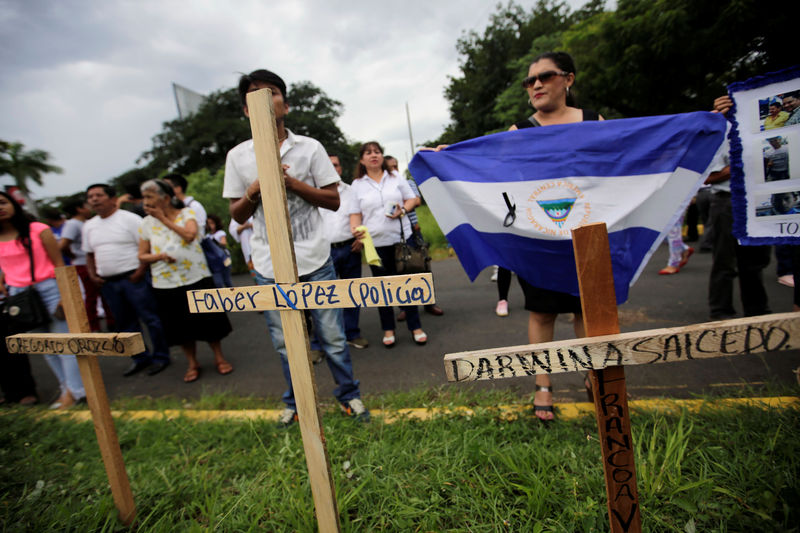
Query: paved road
{"points": [[470, 323]]}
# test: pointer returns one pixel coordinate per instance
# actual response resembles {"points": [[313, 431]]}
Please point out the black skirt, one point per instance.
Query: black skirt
{"points": [[546, 301], [181, 326]]}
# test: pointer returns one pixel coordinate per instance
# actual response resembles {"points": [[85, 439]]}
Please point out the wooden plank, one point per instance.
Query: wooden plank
{"points": [[279, 233], [726, 338], [599, 305], [116, 344], [411, 289], [96, 397]]}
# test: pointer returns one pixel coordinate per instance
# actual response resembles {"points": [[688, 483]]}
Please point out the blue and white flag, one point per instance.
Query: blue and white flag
{"points": [[512, 198]]}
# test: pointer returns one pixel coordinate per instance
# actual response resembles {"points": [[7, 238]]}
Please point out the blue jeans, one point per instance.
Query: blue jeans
{"points": [[131, 302], [223, 278], [328, 325], [65, 367], [348, 266]]}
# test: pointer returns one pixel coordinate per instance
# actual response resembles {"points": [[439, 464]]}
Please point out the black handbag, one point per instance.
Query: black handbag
{"points": [[410, 259], [25, 310]]}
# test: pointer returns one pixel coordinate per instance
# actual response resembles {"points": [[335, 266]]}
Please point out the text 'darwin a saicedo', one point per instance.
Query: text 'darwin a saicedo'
{"points": [[624, 349]]}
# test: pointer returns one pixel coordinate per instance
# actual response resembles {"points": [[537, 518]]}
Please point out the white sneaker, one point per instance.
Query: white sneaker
{"points": [[287, 417], [494, 274], [502, 308], [355, 408]]}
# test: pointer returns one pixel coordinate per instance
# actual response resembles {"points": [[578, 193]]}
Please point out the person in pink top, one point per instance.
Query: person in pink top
{"points": [[19, 240]]}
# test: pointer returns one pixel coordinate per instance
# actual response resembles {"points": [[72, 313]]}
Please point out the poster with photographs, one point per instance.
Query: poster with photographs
{"points": [[765, 158]]}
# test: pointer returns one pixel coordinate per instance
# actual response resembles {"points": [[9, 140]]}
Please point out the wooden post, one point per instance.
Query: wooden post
{"points": [[279, 232], [599, 303], [96, 397]]}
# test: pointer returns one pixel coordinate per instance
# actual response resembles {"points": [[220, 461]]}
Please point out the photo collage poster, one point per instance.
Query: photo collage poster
{"points": [[765, 158]]}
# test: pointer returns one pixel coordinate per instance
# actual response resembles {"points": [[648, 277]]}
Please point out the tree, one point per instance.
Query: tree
{"points": [[24, 166], [200, 140], [655, 57], [490, 65], [646, 57]]}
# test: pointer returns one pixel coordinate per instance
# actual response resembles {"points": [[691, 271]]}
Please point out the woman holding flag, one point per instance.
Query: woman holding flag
{"points": [[550, 77]]}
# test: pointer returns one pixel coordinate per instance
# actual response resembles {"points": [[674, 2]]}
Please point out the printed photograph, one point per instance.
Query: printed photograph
{"points": [[776, 158], [781, 203], [779, 110]]}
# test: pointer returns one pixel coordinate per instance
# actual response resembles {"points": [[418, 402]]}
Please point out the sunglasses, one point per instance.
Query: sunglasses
{"points": [[544, 77]]}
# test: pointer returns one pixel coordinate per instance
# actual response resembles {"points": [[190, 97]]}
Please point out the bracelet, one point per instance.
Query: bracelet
{"points": [[247, 195], [403, 212]]}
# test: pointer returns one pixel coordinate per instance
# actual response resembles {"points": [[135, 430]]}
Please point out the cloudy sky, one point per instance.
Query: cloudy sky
{"points": [[90, 81]]}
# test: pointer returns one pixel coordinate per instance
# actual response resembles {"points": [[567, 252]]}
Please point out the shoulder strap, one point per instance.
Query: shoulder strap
{"points": [[589, 114], [529, 122]]}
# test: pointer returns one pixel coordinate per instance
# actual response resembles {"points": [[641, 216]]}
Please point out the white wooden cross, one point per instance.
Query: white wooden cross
{"points": [[291, 297], [86, 347], [607, 353]]}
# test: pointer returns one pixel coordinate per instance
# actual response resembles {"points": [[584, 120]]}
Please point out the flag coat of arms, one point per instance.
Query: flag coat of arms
{"points": [[512, 198]]}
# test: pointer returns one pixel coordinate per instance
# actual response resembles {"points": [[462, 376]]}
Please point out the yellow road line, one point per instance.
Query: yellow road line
{"points": [[565, 410]]}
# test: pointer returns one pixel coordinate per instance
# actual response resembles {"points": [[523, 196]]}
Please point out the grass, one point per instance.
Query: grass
{"points": [[439, 247], [715, 470]]}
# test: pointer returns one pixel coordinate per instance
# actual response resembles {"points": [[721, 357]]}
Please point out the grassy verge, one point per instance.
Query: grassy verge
{"points": [[433, 235], [715, 470]]}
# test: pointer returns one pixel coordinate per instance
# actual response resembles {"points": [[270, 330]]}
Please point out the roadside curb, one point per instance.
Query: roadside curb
{"points": [[567, 411]]}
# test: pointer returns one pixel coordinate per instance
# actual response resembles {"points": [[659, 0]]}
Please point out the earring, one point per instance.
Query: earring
{"points": [[568, 90]]}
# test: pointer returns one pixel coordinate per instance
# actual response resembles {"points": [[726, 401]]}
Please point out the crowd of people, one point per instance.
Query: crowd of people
{"points": [[136, 264]]}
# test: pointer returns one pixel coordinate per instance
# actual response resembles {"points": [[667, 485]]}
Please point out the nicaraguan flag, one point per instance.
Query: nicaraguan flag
{"points": [[636, 175]]}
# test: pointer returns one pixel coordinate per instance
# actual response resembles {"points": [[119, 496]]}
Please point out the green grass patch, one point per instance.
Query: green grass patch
{"points": [[433, 235], [735, 469]]}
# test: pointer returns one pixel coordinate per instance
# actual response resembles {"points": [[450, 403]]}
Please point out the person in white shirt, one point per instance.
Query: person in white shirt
{"points": [[311, 182], [380, 202], [242, 233], [71, 245], [346, 255], [111, 243]]}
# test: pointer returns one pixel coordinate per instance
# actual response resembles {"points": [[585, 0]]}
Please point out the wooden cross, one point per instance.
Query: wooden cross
{"points": [[291, 297], [605, 355], [86, 347]]}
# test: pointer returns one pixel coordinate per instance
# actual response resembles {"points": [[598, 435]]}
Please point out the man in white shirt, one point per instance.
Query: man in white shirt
{"points": [[729, 258], [311, 182], [346, 255], [111, 243]]}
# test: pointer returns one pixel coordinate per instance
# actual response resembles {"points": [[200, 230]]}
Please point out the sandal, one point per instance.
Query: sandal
{"points": [[389, 341], [687, 253], [224, 367], [191, 375], [544, 408], [420, 338]]}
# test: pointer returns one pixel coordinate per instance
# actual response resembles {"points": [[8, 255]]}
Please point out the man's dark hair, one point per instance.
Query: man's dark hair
{"points": [[71, 207], [264, 76], [51, 213], [177, 179], [108, 189]]}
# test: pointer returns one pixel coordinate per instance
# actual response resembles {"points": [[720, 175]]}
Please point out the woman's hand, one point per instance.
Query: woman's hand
{"points": [[357, 233], [155, 211], [437, 149], [722, 104], [166, 258], [397, 213]]}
